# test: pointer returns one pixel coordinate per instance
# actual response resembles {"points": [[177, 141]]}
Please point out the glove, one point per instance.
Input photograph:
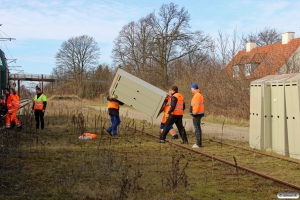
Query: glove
{"points": [[167, 115], [192, 114], [43, 110]]}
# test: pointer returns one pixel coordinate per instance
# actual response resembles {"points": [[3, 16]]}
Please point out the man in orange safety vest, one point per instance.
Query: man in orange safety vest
{"points": [[165, 109], [197, 112], [175, 115], [113, 105]]}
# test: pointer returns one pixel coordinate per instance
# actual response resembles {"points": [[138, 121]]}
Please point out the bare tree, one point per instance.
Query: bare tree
{"points": [[76, 56], [264, 37], [147, 47], [172, 37]]}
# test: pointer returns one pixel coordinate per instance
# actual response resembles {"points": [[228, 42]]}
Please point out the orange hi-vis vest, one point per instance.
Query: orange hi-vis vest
{"points": [[179, 105], [166, 109], [39, 102], [197, 103], [113, 104]]}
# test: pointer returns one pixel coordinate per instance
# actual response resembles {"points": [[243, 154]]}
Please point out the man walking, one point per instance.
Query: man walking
{"points": [[113, 105], [39, 107], [165, 109], [197, 112], [175, 115]]}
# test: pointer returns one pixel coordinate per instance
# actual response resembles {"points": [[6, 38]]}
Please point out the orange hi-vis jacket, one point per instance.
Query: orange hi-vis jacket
{"points": [[197, 104], [113, 104], [166, 109], [16, 102], [11, 103], [179, 105]]}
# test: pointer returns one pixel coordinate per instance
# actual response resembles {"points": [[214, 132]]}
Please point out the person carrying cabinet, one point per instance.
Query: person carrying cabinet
{"points": [[39, 107], [113, 105], [165, 109], [197, 112], [175, 115]]}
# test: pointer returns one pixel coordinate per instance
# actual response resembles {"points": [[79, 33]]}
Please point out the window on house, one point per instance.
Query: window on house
{"points": [[236, 71], [248, 69]]}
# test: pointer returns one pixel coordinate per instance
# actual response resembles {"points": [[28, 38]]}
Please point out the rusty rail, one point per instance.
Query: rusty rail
{"points": [[226, 162]]}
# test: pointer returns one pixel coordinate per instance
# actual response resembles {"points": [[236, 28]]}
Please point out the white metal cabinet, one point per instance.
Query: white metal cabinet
{"points": [[260, 120], [278, 114], [137, 93], [292, 96]]}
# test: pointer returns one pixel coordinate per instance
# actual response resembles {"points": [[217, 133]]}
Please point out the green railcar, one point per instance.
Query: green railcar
{"points": [[3, 72]]}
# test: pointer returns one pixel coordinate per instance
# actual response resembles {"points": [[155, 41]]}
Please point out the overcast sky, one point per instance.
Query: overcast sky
{"points": [[40, 26]]}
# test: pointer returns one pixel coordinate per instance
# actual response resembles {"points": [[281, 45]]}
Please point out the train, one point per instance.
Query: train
{"points": [[4, 73]]}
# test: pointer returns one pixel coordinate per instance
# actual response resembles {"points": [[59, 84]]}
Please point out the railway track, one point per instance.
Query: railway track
{"points": [[253, 161]]}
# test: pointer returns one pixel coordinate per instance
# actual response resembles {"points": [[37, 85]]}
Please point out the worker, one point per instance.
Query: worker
{"points": [[16, 104], [39, 107], [12, 106], [175, 115], [165, 109], [197, 112], [113, 105]]}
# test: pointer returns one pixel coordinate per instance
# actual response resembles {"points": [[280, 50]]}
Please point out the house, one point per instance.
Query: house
{"points": [[256, 62]]}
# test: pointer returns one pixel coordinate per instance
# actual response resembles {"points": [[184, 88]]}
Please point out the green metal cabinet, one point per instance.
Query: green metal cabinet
{"points": [[137, 93]]}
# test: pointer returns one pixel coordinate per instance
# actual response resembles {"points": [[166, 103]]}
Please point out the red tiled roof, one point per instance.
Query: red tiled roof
{"points": [[270, 58]]}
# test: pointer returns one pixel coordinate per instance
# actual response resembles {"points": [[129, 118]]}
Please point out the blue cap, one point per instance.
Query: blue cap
{"points": [[194, 85]]}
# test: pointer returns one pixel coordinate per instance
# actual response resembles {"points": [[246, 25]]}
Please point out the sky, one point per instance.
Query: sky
{"points": [[41, 26]]}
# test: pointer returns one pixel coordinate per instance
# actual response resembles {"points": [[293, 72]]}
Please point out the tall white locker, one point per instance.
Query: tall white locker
{"points": [[260, 130], [292, 96], [278, 114]]}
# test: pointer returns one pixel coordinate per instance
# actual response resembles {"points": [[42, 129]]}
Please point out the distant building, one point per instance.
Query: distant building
{"points": [[278, 58]]}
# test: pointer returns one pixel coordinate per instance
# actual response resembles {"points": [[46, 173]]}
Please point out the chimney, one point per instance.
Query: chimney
{"points": [[287, 37], [250, 46]]}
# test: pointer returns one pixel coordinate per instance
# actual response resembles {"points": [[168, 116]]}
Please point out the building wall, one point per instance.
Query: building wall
{"points": [[292, 65]]}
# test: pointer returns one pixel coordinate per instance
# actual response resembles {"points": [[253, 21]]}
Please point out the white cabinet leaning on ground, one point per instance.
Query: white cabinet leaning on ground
{"points": [[137, 93], [275, 114]]}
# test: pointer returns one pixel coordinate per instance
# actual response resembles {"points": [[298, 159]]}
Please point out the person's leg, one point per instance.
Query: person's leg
{"points": [[42, 119], [170, 121], [116, 122], [173, 133], [8, 120], [37, 119], [15, 119], [198, 132], [181, 129], [109, 129]]}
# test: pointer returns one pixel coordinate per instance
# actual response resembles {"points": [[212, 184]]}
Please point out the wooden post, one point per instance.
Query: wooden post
{"points": [[19, 88], [42, 83]]}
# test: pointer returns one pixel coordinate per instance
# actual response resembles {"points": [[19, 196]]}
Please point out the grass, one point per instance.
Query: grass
{"points": [[54, 164]]}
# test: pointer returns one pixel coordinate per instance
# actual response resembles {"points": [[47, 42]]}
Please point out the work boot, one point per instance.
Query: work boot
{"points": [[161, 141], [109, 132], [195, 146]]}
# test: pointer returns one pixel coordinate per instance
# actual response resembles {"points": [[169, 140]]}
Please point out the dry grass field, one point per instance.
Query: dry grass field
{"points": [[55, 164]]}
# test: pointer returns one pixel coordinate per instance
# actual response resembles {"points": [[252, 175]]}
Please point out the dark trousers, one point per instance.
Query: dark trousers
{"points": [[177, 119], [39, 116], [198, 131]]}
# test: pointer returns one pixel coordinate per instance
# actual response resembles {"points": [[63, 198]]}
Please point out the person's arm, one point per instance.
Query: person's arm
{"points": [[120, 102], [44, 105], [173, 104]]}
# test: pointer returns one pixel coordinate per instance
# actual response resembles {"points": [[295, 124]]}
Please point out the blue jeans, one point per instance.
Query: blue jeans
{"points": [[115, 121], [198, 131]]}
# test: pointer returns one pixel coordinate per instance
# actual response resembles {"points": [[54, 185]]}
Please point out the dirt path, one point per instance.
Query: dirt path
{"points": [[211, 129]]}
